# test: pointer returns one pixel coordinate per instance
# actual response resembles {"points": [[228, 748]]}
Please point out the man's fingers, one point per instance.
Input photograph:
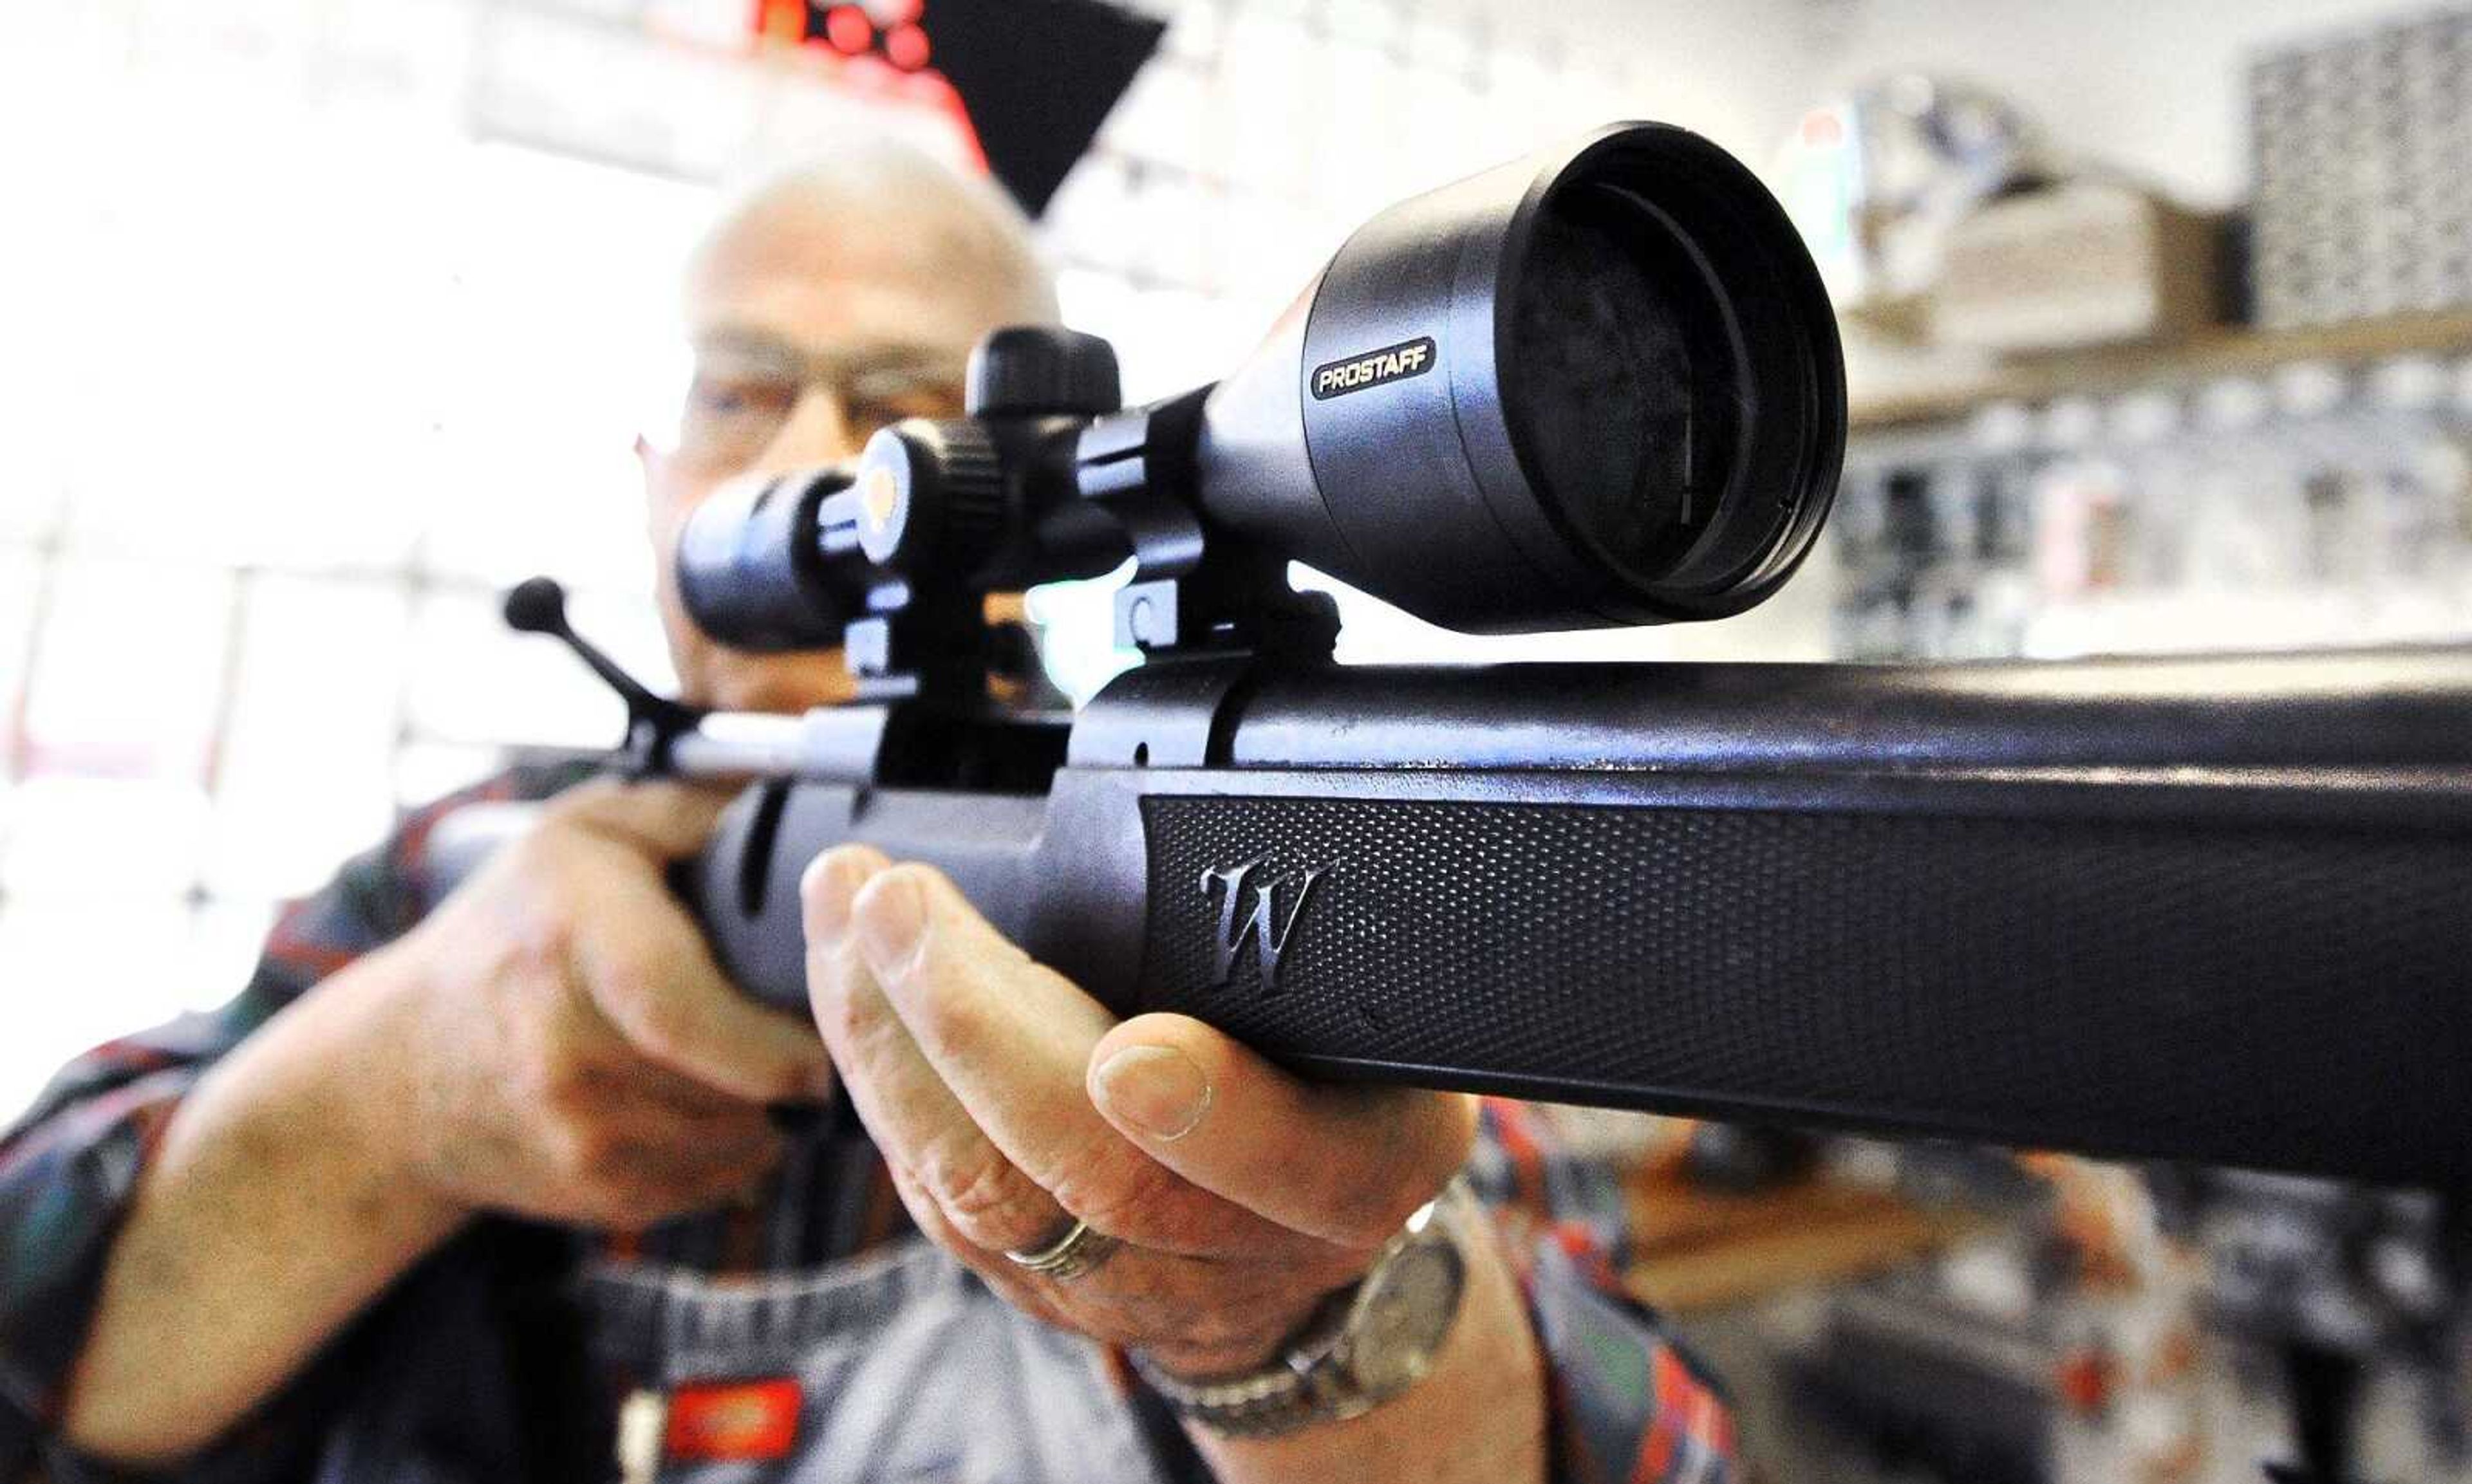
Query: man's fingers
{"points": [[1010, 1039], [667, 821], [723, 1152], [596, 1064], [658, 1171], [649, 970], [923, 1129], [1345, 1163]]}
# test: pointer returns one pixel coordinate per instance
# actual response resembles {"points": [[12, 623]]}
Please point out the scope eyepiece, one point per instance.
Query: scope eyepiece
{"points": [[1599, 385], [752, 569]]}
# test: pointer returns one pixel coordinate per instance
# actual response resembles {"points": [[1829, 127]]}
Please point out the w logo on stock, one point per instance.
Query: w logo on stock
{"points": [[1253, 918]]}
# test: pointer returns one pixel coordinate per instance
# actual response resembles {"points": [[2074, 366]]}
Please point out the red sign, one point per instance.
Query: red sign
{"points": [[719, 1421]]}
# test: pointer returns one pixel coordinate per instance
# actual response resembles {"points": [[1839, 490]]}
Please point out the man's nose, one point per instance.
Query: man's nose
{"points": [[817, 431]]}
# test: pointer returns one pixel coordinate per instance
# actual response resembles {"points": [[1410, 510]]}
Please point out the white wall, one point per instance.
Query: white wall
{"points": [[2159, 88], [1740, 72]]}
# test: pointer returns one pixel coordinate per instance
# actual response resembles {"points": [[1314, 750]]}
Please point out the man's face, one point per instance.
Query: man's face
{"points": [[805, 343]]}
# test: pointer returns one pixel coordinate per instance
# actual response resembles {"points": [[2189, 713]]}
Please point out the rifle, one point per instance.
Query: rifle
{"points": [[2213, 910]]}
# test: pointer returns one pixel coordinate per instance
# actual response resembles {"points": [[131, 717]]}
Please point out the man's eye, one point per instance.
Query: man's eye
{"points": [[869, 413], [715, 396]]}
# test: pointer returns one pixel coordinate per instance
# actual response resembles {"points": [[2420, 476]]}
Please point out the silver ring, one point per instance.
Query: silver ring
{"points": [[1074, 1253]]}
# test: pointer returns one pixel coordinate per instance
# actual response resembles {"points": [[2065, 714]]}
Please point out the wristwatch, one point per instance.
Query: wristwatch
{"points": [[1363, 1346]]}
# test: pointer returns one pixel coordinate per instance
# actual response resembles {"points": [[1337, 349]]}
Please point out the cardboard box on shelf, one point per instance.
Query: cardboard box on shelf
{"points": [[2089, 263]]}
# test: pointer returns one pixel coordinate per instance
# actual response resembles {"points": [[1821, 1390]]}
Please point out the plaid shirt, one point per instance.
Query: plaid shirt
{"points": [[459, 1371]]}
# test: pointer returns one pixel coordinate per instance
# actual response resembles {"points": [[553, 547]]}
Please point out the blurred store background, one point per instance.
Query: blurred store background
{"points": [[322, 320]]}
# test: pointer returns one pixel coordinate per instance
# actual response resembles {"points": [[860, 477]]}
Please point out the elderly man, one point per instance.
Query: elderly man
{"points": [[494, 1192]]}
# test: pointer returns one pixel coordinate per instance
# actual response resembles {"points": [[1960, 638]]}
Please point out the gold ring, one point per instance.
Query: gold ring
{"points": [[1074, 1253]]}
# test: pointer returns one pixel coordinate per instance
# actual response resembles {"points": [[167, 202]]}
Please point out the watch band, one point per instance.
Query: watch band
{"points": [[1360, 1346]]}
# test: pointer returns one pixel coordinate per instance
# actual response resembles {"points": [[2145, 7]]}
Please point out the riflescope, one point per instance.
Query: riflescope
{"points": [[1597, 386]]}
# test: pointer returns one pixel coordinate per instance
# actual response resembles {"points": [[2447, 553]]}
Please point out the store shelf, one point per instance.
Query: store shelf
{"points": [[2229, 353], [1695, 1250]]}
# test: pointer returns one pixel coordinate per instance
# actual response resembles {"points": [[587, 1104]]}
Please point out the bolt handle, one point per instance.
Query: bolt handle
{"points": [[538, 605]]}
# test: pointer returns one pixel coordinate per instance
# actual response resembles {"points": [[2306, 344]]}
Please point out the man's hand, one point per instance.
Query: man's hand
{"points": [[572, 1051], [1007, 1103], [555, 1040]]}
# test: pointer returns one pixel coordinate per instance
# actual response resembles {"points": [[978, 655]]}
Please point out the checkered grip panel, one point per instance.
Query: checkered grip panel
{"points": [[2271, 994]]}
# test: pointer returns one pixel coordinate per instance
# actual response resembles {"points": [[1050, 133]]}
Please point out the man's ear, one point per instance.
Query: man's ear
{"points": [[659, 490]]}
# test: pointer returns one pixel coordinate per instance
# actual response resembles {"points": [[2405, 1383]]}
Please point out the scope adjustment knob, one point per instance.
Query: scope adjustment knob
{"points": [[929, 493], [1042, 370]]}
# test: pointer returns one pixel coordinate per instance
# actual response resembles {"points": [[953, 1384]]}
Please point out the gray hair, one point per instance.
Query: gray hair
{"points": [[963, 227]]}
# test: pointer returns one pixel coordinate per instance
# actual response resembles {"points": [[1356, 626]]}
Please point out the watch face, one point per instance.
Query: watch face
{"points": [[1400, 1321]]}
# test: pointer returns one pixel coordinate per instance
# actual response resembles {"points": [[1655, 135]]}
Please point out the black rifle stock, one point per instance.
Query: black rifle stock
{"points": [[2215, 909]]}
